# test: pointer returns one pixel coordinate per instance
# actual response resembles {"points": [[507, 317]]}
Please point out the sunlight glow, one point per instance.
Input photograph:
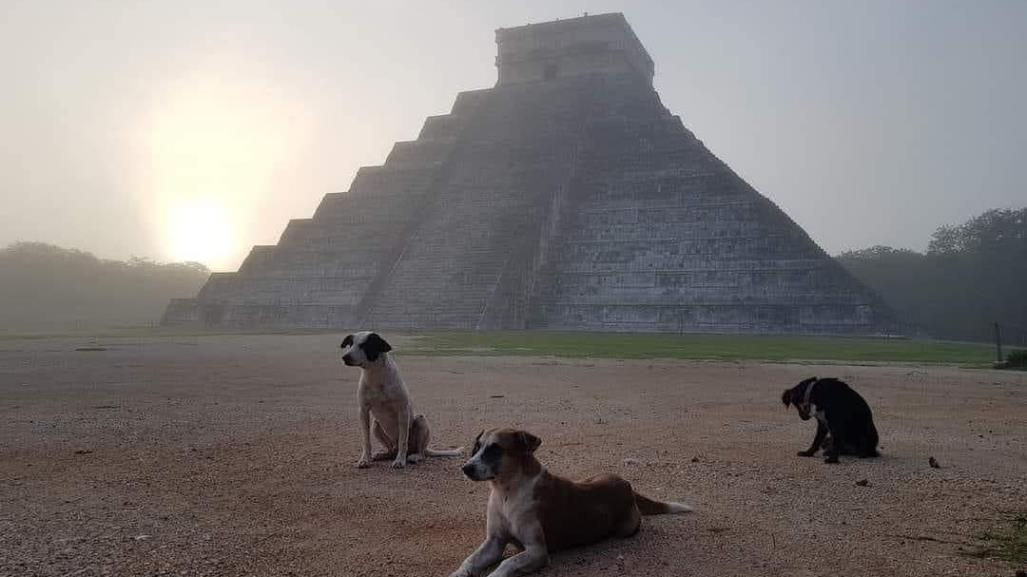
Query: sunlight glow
{"points": [[215, 141], [200, 230]]}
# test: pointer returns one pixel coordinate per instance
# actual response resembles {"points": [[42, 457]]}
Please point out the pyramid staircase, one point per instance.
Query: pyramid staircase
{"points": [[562, 198]]}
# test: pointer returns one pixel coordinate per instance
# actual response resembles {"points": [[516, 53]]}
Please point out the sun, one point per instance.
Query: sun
{"points": [[215, 140], [201, 230]]}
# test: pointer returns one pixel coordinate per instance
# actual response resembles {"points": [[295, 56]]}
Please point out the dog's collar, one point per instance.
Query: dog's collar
{"points": [[809, 393]]}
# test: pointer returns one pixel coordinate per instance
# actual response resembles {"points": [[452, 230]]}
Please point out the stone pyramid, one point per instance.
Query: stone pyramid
{"points": [[567, 197]]}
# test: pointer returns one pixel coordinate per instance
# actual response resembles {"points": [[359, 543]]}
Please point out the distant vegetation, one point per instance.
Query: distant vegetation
{"points": [[48, 288], [1016, 359], [1007, 541], [971, 276]]}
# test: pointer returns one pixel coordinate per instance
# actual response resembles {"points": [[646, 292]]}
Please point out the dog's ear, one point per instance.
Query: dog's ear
{"points": [[374, 346], [786, 397], [378, 343], [347, 342], [528, 441]]}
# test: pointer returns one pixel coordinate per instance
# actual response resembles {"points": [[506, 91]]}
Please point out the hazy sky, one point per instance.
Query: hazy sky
{"points": [[193, 130]]}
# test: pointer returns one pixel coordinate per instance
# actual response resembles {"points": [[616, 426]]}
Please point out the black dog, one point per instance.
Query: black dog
{"points": [[845, 424]]}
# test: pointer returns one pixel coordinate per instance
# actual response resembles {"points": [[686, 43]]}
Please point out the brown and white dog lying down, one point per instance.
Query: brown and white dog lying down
{"points": [[539, 512]]}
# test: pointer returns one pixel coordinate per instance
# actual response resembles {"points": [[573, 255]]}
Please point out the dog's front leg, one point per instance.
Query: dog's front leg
{"points": [[534, 557], [404, 438], [365, 432], [486, 555], [818, 440], [838, 442]]}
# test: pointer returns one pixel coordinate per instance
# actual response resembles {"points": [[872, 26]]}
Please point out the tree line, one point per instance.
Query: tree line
{"points": [[49, 288], [972, 275]]}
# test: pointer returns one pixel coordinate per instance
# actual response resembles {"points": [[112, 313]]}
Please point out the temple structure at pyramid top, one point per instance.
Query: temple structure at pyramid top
{"points": [[566, 197], [601, 44]]}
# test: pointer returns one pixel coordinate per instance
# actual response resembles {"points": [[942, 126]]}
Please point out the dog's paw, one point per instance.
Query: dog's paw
{"points": [[806, 453], [832, 460], [399, 463], [460, 573], [363, 463]]}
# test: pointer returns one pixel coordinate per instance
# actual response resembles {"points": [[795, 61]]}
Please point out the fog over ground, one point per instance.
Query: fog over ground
{"points": [[191, 131]]}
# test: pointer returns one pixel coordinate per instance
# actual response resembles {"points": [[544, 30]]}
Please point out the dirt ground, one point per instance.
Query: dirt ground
{"points": [[234, 455]]}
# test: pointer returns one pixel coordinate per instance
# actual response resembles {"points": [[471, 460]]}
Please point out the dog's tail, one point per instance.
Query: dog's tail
{"points": [[647, 506], [429, 452]]}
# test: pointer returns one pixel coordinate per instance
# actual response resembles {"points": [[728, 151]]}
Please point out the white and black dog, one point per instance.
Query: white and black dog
{"points": [[385, 405], [845, 424]]}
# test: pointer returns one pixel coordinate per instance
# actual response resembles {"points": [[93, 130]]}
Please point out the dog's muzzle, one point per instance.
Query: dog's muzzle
{"points": [[474, 473], [348, 361]]}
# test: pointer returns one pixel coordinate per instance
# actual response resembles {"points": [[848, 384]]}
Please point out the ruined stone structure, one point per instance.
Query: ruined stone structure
{"points": [[566, 197]]}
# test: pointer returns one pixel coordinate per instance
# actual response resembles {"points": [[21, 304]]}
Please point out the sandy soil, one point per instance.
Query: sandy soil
{"points": [[234, 456]]}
